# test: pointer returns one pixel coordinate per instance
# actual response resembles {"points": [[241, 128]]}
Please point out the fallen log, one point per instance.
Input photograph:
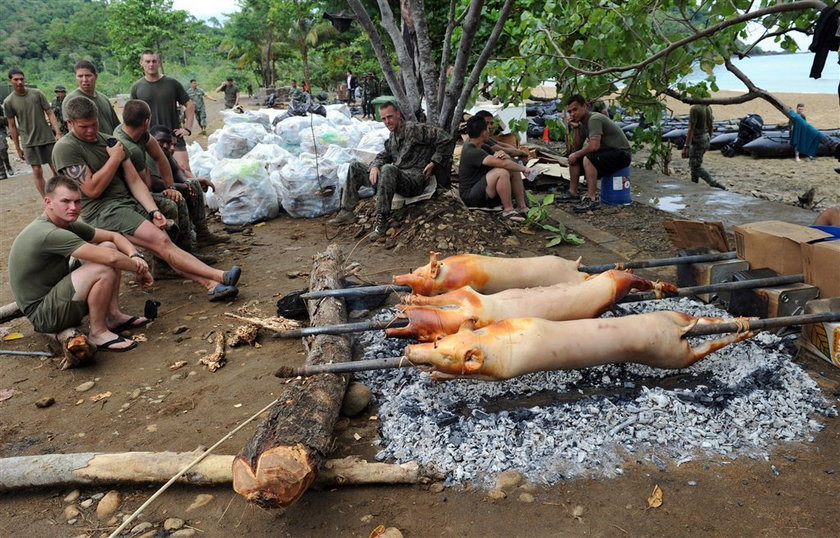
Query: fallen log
{"points": [[94, 468], [9, 312], [282, 459]]}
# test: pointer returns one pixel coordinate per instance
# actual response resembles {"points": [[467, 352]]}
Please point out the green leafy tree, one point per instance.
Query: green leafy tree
{"points": [[640, 50], [136, 25]]}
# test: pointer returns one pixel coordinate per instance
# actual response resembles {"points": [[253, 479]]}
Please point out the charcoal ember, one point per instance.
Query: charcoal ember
{"points": [[742, 400]]}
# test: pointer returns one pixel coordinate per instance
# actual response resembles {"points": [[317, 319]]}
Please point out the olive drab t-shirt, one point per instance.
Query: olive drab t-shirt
{"points": [[471, 167], [39, 259], [701, 117], [71, 151], [163, 97], [105, 112], [136, 150], [28, 113], [611, 134]]}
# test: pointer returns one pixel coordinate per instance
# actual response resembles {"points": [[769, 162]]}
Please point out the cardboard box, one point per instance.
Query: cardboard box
{"points": [[774, 244], [822, 267], [822, 340]]}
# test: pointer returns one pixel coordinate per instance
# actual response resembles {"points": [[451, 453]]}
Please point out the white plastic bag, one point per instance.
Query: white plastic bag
{"points": [[238, 139], [272, 156], [250, 116], [291, 129], [305, 194], [245, 191]]}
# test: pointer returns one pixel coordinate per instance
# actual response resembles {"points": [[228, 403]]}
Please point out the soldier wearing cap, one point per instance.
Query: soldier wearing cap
{"points": [[60, 94]]}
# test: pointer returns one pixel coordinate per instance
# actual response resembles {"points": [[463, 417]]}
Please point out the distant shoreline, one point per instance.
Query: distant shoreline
{"points": [[821, 109]]}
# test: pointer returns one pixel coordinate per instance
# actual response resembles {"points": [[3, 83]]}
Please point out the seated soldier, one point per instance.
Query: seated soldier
{"points": [[487, 179], [55, 296], [512, 151], [114, 197], [411, 154], [190, 187]]}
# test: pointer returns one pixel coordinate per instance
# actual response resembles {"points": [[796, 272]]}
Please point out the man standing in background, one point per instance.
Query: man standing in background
{"points": [[231, 92], [700, 128], [85, 73], [60, 94], [163, 94], [197, 96], [25, 109]]}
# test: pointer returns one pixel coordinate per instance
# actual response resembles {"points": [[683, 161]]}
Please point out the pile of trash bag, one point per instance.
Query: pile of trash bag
{"points": [[300, 165]]}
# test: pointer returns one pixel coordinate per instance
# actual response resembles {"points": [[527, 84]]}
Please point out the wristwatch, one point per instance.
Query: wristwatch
{"points": [[138, 255], [152, 214]]}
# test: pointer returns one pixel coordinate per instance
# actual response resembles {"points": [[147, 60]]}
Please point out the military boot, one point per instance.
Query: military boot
{"points": [[379, 229]]}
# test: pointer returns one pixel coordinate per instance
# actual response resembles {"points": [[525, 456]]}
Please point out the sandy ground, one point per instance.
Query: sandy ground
{"points": [[822, 110], [154, 408]]}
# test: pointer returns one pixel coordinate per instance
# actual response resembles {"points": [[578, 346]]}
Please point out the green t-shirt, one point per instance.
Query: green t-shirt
{"points": [[28, 113], [108, 119], [71, 151], [230, 94], [163, 97], [136, 150], [154, 171], [611, 135], [197, 96], [471, 168], [701, 117], [39, 259]]}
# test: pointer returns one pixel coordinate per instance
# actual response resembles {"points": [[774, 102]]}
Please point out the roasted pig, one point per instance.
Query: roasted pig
{"points": [[487, 274], [432, 317], [514, 347]]}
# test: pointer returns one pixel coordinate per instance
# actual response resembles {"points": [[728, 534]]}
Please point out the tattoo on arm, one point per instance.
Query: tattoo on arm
{"points": [[76, 171]]}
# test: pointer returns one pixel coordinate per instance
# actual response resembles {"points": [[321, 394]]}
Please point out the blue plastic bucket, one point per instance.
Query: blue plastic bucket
{"points": [[615, 188]]}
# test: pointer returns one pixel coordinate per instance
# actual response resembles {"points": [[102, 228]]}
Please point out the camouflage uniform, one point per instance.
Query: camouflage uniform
{"points": [[400, 165], [56, 106], [197, 97], [701, 117]]}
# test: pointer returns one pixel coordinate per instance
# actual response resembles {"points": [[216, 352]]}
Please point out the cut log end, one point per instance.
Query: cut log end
{"points": [[282, 475]]}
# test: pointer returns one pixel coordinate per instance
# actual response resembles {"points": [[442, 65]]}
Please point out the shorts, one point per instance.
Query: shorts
{"points": [[609, 160], [123, 216], [36, 155], [477, 195], [58, 311], [180, 143]]}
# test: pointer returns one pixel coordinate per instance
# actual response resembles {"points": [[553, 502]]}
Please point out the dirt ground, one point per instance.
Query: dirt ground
{"points": [[152, 408]]}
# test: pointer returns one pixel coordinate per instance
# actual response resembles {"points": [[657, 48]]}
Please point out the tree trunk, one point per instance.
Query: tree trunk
{"points": [[427, 68], [94, 468], [281, 461], [456, 84], [381, 53], [406, 62]]}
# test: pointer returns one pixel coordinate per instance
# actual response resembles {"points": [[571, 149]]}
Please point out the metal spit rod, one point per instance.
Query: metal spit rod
{"points": [[658, 262], [399, 323], [699, 330]]}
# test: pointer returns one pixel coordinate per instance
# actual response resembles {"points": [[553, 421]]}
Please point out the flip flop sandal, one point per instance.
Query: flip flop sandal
{"points": [[513, 216], [222, 292], [118, 340], [129, 324]]}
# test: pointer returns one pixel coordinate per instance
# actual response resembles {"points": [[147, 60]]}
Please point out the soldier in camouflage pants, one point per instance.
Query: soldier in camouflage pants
{"points": [[700, 128], [412, 153]]}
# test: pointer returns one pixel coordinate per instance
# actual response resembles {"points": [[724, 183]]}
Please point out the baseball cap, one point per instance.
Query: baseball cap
{"points": [[60, 88]]}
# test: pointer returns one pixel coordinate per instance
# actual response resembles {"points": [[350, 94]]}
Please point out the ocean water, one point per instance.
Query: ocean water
{"points": [[782, 73]]}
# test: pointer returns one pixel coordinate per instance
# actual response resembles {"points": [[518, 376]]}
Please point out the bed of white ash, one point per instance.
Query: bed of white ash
{"points": [[740, 400]]}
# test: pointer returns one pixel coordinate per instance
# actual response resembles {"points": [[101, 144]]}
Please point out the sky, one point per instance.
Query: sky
{"points": [[202, 9]]}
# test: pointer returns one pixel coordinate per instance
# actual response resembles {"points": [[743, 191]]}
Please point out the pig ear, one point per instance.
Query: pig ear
{"points": [[473, 360], [434, 264], [468, 324]]}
